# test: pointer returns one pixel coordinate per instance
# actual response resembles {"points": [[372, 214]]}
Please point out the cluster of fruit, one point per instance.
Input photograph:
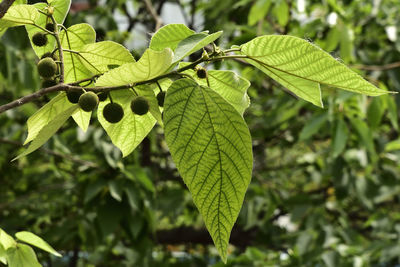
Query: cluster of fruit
{"points": [[47, 66], [112, 112]]}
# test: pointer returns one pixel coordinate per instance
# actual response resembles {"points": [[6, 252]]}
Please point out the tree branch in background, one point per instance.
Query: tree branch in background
{"points": [[4, 6], [154, 14], [377, 67]]}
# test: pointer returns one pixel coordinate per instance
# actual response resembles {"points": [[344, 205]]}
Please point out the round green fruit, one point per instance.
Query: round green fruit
{"points": [[102, 96], [88, 101], [49, 54], [201, 73], [113, 112], [48, 83], [161, 98], [73, 96], [50, 27], [39, 39], [47, 67], [140, 105]]}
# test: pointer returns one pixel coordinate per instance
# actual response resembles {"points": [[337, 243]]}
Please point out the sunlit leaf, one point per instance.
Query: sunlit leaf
{"points": [[150, 65], [211, 147], [169, 36], [36, 241], [21, 256]]}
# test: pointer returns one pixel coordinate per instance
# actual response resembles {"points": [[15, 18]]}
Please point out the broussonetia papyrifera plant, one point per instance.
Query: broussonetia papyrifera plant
{"points": [[200, 109]]}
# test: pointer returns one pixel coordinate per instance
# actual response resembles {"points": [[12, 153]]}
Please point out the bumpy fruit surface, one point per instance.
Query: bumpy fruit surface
{"points": [[47, 67], [39, 39], [140, 105], [113, 112], [88, 101], [50, 27], [73, 96], [160, 98], [48, 83], [49, 54], [102, 96], [201, 73]]}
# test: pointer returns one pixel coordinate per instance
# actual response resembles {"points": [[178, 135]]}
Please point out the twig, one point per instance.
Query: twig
{"points": [[54, 153], [72, 86], [377, 67], [153, 13], [4, 6], [60, 50]]}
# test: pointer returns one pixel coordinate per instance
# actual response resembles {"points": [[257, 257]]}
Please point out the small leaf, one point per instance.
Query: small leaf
{"points": [[45, 115], [169, 36], [193, 43], [313, 126], [211, 147], [340, 138], [36, 241], [150, 65], [6, 240], [22, 256], [82, 119], [61, 8], [258, 11], [98, 56], [132, 129], [281, 12], [301, 67], [393, 145], [48, 131]]}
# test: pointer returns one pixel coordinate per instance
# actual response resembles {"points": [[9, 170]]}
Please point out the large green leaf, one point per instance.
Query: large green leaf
{"points": [[75, 38], [169, 36], [18, 15], [22, 256], [301, 66], [211, 147], [232, 87], [150, 65], [48, 131], [99, 57], [61, 8], [193, 43], [36, 241], [46, 114], [132, 129]]}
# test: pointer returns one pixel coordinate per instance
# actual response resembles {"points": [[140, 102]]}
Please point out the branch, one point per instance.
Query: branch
{"points": [[377, 67], [154, 14], [72, 86], [4, 6]]}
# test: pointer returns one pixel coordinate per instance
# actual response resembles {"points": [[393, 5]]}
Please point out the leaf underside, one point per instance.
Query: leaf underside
{"points": [[211, 147]]}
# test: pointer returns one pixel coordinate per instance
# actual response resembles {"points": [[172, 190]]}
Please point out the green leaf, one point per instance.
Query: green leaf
{"points": [[36, 241], [393, 145], [193, 43], [365, 135], [301, 66], [61, 8], [97, 57], [48, 131], [229, 85], [169, 36], [211, 147], [132, 129], [258, 11], [281, 12], [46, 114], [313, 126], [6, 240], [3, 255], [18, 15], [150, 65], [75, 38], [340, 138], [22, 256]]}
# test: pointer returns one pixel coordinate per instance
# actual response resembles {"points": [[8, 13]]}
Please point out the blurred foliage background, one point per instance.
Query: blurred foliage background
{"points": [[326, 182]]}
